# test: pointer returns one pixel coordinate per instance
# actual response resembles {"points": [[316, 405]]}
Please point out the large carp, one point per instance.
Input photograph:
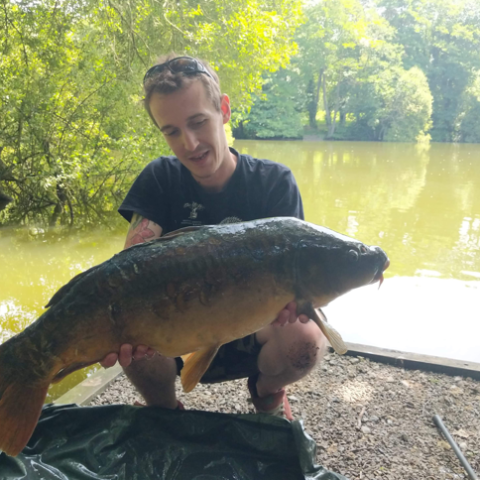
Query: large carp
{"points": [[187, 292]]}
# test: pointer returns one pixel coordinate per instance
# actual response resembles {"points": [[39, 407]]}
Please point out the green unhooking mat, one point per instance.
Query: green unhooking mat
{"points": [[119, 442]]}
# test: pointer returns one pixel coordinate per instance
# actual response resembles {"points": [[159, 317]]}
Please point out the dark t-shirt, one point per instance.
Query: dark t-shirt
{"points": [[166, 193]]}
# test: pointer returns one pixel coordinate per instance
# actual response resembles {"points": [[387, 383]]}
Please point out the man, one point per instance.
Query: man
{"points": [[205, 183]]}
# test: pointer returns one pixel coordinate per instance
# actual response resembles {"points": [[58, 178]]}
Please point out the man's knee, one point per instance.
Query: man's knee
{"points": [[306, 347], [297, 346], [160, 368]]}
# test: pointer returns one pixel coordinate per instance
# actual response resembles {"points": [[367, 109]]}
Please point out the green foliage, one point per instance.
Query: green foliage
{"points": [[368, 61], [340, 44], [406, 113], [73, 133], [395, 106], [63, 152], [277, 112], [347, 59], [442, 37], [468, 126]]}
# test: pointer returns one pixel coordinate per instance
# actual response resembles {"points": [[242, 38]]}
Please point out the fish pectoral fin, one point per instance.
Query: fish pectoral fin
{"points": [[333, 337], [196, 365], [185, 357]]}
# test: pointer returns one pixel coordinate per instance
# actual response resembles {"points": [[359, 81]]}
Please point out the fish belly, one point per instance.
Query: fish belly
{"points": [[233, 314]]}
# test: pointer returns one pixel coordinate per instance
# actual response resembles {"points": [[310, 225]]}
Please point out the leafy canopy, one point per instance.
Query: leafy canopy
{"points": [[73, 133]]}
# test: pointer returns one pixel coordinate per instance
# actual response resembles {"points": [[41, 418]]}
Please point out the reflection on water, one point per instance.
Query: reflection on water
{"points": [[13, 319], [34, 266], [422, 205], [431, 316]]}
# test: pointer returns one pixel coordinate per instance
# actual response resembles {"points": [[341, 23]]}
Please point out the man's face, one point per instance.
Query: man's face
{"points": [[193, 128]]}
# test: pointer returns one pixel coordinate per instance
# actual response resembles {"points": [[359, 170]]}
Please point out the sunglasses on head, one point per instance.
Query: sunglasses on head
{"points": [[186, 65]]}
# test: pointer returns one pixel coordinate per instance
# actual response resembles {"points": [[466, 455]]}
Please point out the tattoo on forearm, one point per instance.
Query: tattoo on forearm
{"points": [[140, 230], [136, 220], [141, 233]]}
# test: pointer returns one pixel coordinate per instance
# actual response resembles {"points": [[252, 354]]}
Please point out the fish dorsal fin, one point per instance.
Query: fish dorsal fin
{"points": [[181, 231], [67, 287], [333, 337], [168, 236], [196, 364], [230, 220]]}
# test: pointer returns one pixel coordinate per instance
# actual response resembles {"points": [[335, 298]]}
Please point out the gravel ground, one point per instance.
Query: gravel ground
{"points": [[370, 421]]}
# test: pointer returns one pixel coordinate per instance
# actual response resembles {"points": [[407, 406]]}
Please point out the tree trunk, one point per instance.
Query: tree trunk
{"points": [[332, 125], [60, 205], [328, 118], [313, 91], [311, 107], [319, 85], [55, 215], [380, 133]]}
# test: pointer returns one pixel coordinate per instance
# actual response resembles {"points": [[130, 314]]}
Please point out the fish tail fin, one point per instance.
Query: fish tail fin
{"points": [[21, 403]]}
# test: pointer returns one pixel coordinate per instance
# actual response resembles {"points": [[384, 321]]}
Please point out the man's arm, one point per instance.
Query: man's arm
{"points": [[285, 201], [141, 230], [284, 198]]}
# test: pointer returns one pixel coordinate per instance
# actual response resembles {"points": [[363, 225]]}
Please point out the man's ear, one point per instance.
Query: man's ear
{"points": [[225, 107]]}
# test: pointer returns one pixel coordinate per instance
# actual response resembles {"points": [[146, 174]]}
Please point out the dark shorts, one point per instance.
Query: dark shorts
{"points": [[237, 359]]}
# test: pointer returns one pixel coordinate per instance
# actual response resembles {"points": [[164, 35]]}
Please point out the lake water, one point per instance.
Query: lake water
{"points": [[420, 204]]}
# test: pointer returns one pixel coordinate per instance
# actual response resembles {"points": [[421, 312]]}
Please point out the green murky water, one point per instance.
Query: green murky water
{"points": [[33, 266], [420, 204]]}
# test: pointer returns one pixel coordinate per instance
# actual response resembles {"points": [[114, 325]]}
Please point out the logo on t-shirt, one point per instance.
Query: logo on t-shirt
{"points": [[195, 207]]}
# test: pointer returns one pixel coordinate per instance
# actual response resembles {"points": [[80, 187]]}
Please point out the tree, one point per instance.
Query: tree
{"points": [[468, 126], [442, 38], [241, 39], [352, 53], [347, 57], [72, 131], [399, 108], [335, 45], [276, 113]]}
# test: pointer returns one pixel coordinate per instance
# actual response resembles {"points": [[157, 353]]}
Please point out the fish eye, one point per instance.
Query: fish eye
{"points": [[352, 255]]}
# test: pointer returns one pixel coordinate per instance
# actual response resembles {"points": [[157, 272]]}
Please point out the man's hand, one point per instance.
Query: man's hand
{"points": [[141, 230], [127, 355], [289, 315]]}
